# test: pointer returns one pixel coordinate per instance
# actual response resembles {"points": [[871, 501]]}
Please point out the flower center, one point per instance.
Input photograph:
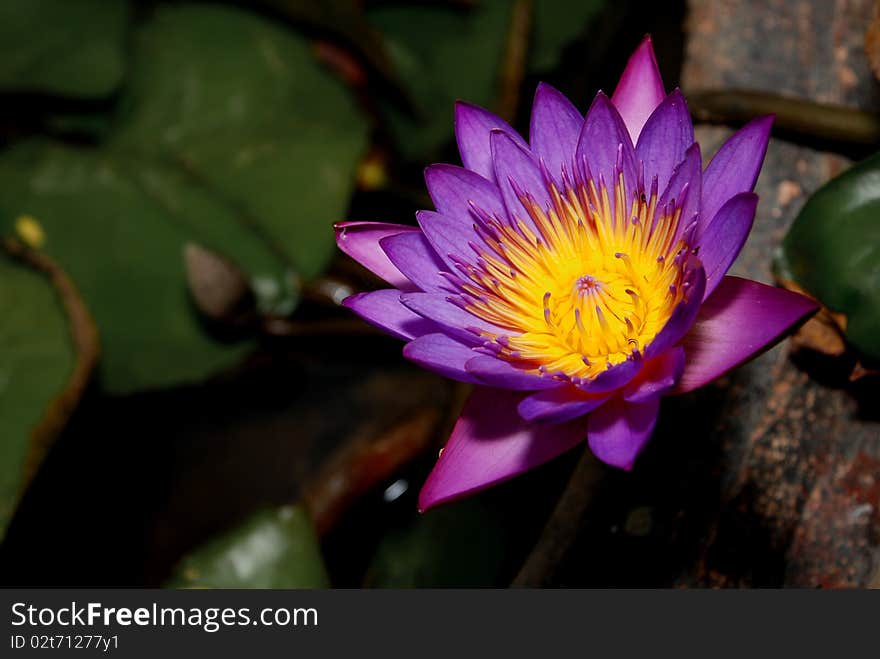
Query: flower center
{"points": [[581, 285], [587, 285]]}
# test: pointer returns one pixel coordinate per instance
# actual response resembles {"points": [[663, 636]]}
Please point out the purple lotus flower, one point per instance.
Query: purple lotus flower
{"points": [[575, 278]]}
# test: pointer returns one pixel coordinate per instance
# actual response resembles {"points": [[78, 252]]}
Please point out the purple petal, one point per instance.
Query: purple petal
{"points": [[491, 443], [498, 373], [684, 188], [666, 137], [455, 190], [441, 354], [657, 377], [457, 322], [559, 405], [514, 166], [384, 310], [618, 430], [604, 142], [640, 89], [445, 235], [735, 167], [683, 316], [554, 130], [472, 127], [612, 378], [360, 240], [739, 320], [725, 236], [412, 254]]}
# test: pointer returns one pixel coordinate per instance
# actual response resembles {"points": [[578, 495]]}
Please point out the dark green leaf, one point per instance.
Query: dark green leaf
{"points": [[119, 227], [65, 47], [243, 105], [343, 19], [833, 251], [556, 24], [231, 137], [457, 545], [272, 549], [444, 53], [441, 54]]}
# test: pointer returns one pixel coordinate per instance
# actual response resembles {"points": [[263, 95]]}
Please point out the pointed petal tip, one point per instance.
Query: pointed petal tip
{"points": [[545, 88], [462, 103], [640, 89], [645, 49], [807, 305], [762, 125], [490, 444], [678, 94], [339, 228], [542, 86], [472, 125], [360, 241], [740, 320], [735, 167], [428, 499]]}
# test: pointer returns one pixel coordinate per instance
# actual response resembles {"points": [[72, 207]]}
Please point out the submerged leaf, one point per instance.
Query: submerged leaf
{"points": [[119, 228], [232, 136], [63, 47], [445, 53], [557, 23], [458, 545], [273, 549], [441, 54], [343, 19], [242, 104]]}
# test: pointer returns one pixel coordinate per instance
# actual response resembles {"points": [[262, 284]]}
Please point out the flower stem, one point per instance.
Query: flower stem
{"points": [[562, 526]]}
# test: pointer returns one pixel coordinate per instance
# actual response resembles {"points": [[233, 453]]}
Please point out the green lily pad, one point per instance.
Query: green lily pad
{"points": [[37, 359], [72, 48], [833, 251], [230, 135], [119, 227], [441, 54], [344, 20], [445, 53], [272, 549], [556, 24], [458, 545], [243, 105]]}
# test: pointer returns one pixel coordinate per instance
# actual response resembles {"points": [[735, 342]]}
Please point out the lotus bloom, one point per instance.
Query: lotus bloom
{"points": [[575, 278]]}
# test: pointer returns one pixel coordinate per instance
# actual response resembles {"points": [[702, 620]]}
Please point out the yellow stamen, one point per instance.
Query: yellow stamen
{"points": [[581, 284]]}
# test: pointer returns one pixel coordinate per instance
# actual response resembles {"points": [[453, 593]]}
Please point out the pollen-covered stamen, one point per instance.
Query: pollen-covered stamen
{"points": [[582, 283]]}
